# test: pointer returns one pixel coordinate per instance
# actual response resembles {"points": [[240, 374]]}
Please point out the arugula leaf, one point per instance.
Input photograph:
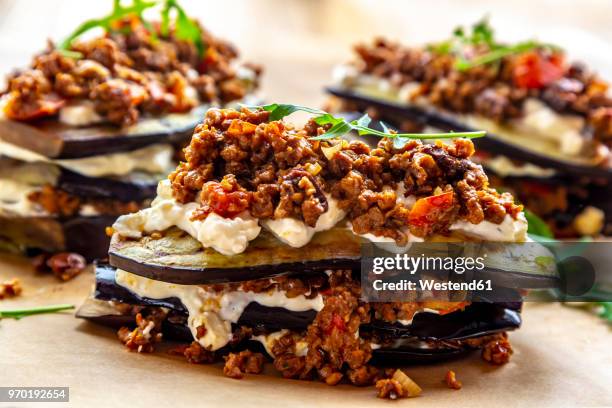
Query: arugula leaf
{"points": [[537, 226], [185, 28], [482, 34], [19, 313], [280, 110], [340, 127]]}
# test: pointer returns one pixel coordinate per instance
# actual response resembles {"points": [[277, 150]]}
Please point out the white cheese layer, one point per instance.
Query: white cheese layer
{"points": [[229, 236], [296, 233], [155, 158], [510, 230], [215, 310]]}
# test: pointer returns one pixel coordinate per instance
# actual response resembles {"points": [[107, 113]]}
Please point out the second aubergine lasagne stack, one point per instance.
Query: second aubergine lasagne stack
{"points": [[549, 121], [91, 126]]}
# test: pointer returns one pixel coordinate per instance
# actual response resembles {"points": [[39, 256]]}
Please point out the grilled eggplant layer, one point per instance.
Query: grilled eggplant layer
{"points": [[83, 235], [179, 258], [59, 141], [395, 112]]}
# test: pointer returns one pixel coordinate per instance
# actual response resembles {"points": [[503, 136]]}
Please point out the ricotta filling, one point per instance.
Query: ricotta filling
{"points": [[14, 199], [82, 113], [229, 236], [541, 128], [296, 233], [156, 158], [504, 167], [509, 230], [215, 310], [268, 340]]}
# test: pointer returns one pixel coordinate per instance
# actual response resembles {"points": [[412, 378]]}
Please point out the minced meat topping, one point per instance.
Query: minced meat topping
{"points": [[497, 91], [239, 160], [128, 73]]}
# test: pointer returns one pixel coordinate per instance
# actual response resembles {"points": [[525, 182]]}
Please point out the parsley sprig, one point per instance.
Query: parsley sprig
{"points": [[185, 28], [340, 126], [481, 35], [19, 313]]}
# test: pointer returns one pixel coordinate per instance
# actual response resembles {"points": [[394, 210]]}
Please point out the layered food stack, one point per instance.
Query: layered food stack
{"points": [[549, 121], [91, 126], [251, 250]]}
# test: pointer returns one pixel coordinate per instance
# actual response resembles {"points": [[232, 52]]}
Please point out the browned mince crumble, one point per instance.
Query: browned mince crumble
{"points": [[63, 265], [126, 75], [336, 349], [497, 91], [240, 161], [56, 201]]}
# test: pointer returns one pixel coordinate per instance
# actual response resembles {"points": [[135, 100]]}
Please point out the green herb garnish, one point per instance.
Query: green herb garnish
{"points": [[537, 227], [481, 35], [606, 311], [19, 313], [340, 126], [185, 28]]}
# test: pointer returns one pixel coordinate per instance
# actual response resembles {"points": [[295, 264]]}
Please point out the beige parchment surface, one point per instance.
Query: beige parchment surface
{"points": [[563, 357]]}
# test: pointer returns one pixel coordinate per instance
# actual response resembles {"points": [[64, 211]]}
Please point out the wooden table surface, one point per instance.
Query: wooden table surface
{"points": [[562, 355]]}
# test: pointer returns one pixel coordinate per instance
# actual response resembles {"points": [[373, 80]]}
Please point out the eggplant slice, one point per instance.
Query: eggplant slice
{"points": [[83, 235], [136, 186], [59, 141], [394, 111], [179, 258]]}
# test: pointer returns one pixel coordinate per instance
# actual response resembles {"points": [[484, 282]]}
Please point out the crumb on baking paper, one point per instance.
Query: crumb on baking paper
{"points": [[398, 386], [451, 380], [10, 288]]}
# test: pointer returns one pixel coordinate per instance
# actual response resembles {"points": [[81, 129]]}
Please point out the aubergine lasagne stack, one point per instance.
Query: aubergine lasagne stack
{"points": [[251, 251], [93, 124], [549, 121]]}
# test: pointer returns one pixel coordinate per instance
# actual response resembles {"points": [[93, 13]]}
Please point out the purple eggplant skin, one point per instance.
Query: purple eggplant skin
{"points": [[478, 319], [122, 189], [393, 112]]}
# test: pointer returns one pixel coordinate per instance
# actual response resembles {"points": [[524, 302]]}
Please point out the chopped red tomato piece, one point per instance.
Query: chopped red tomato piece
{"points": [[428, 211], [533, 70], [47, 106], [224, 198], [337, 323]]}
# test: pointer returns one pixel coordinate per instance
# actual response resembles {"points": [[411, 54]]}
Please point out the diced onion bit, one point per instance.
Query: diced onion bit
{"points": [[451, 380], [331, 151], [411, 388]]}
